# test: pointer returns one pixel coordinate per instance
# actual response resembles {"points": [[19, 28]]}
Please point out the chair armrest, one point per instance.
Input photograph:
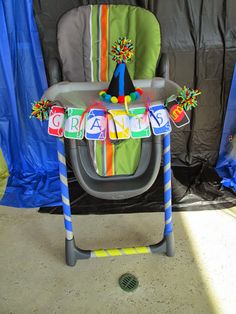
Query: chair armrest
{"points": [[163, 69], [54, 71]]}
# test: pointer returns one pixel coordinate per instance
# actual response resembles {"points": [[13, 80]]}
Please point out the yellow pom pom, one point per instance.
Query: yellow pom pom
{"points": [[128, 99], [102, 92], [114, 100]]}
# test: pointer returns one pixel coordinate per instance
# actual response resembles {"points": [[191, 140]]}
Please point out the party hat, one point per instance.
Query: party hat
{"points": [[121, 87]]}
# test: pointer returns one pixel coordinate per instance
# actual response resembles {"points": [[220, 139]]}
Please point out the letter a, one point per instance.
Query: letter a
{"points": [[96, 124]]}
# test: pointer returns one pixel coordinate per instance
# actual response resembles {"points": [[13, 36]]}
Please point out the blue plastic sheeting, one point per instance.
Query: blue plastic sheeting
{"points": [[226, 165], [29, 151]]}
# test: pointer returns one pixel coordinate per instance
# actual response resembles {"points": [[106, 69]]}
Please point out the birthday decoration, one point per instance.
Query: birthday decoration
{"points": [[40, 109], [121, 99], [56, 121], [118, 125], [121, 88], [122, 50], [139, 123], [98, 124], [176, 113], [74, 127], [159, 119], [187, 98], [177, 105]]}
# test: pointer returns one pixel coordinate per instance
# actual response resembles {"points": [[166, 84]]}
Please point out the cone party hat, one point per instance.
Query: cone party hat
{"points": [[121, 87]]}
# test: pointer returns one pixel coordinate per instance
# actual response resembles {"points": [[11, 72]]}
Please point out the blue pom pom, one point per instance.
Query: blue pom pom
{"points": [[137, 95], [107, 98]]}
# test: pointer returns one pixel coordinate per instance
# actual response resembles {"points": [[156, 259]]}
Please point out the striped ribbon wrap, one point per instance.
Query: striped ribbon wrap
{"points": [[167, 185], [64, 188]]}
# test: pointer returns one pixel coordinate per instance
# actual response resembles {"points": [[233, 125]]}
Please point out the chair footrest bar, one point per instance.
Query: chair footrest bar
{"points": [[73, 253]]}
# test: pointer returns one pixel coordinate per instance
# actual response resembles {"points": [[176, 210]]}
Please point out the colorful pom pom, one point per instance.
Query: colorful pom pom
{"points": [[40, 109], [133, 96], [137, 95], [187, 98], [107, 97], [114, 100], [139, 90], [122, 50], [121, 99], [128, 99]]}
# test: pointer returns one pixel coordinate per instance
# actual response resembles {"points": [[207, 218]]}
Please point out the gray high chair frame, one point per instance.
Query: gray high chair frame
{"points": [[116, 187]]}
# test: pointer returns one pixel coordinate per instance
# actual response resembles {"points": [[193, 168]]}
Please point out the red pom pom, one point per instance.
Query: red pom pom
{"points": [[121, 99], [140, 91]]}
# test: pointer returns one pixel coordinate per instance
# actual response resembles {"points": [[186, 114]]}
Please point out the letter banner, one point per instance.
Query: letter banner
{"points": [[177, 114], [74, 127], [56, 121], [159, 119], [96, 124], [118, 125], [139, 123]]}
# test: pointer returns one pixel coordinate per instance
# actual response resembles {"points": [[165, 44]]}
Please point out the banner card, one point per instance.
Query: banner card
{"points": [[74, 128], [159, 119], [56, 121], [96, 124], [139, 124], [119, 128], [177, 114]]}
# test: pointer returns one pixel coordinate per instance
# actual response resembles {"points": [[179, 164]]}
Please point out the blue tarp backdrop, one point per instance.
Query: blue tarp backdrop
{"points": [[226, 165], [29, 152]]}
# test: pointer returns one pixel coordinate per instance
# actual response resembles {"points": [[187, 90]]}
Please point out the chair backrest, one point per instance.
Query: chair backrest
{"points": [[86, 34]]}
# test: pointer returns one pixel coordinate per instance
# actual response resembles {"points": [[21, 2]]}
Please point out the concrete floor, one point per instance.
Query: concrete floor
{"points": [[201, 278]]}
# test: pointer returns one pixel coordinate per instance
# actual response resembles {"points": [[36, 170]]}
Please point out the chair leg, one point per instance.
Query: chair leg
{"points": [[70, 250], [168, 232], [73, 252], [170, 244]]}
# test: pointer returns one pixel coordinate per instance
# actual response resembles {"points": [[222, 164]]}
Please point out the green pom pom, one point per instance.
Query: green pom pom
{"points": [[133, 96]]}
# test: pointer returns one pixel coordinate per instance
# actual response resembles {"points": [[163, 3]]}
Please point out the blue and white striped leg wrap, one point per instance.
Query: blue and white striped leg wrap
{"points": [[64, 188], [167, 185]]}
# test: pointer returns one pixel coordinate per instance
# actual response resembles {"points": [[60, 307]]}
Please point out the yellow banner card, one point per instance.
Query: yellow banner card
{"points": [[119, 128]]}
